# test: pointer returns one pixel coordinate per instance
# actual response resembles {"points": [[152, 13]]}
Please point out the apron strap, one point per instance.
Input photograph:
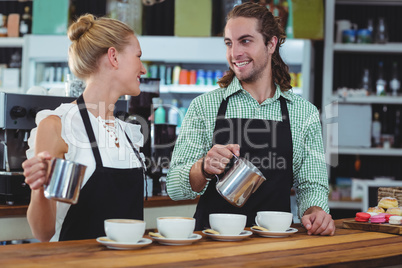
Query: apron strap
{"points": [[87, 123], [284, 109], [285, 113], [136, 152]]}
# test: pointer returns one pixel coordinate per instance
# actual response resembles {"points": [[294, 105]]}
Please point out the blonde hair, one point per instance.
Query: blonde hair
{"points": [[91, 38]]}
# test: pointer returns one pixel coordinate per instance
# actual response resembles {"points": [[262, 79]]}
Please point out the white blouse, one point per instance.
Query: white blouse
{"points": [[79, 150]]}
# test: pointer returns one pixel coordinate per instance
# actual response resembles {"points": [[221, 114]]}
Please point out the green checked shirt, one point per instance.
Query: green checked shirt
{"points": [[195, 140]]}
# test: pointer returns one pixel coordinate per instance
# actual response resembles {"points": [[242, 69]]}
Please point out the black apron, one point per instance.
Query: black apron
{"points": [[268, 145], [109, 193]]}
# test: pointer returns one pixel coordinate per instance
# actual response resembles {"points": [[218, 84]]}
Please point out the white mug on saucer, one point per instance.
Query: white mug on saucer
{"points": [[227, 224], [274, 221], [124, 230], [175, 227]]}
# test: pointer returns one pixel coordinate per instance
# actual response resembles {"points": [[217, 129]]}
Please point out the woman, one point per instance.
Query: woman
{"points": [[105, 54]]}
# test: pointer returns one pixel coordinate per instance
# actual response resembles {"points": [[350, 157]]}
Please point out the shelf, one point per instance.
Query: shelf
{"points": [[366, 151], [49, 85], [369, 100], [369, 48], [11, 42], [369, 2], [345, 204], [183, 49], [190, 89]]}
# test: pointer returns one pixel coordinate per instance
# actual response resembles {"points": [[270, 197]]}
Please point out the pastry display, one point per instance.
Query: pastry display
{"points": [[395, 220], [377, 219], [376, 209], [362, 217], [388, 202], [395, 211]]}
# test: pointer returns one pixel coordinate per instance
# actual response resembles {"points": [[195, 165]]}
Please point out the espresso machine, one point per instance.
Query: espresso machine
{"points": [[159, 139], [17, 119]]}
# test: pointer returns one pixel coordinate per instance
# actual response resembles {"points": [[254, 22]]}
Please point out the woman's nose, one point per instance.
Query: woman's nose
{"points": [[143, 69]]}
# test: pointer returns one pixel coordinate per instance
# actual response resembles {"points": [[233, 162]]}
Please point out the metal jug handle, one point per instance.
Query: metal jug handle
{"points": [[237, 159], [50, 169]]}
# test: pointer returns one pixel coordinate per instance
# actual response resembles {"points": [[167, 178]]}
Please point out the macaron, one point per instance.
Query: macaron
{"points": [[395, 219], [362, 217], [372, 213], [377, 219], [386, 216]]}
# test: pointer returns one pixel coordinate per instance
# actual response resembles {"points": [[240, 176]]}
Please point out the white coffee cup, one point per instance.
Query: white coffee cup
{"points": [[274, 221], [124, 230], [175, 227], [227, 224]]}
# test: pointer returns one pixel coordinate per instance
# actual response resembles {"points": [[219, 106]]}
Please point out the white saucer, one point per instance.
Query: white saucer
{"points": [[125, 246], [286, 233], [241, 236], [177, 242]]}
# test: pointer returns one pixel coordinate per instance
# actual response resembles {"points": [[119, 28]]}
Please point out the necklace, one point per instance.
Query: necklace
{"points": [[110, 127]]}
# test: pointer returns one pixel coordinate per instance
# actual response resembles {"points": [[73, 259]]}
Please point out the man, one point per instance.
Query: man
{"points": [[255, 116]]}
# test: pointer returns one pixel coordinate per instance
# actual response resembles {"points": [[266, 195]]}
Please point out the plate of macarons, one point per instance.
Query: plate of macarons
{"points": [[387, 211]]}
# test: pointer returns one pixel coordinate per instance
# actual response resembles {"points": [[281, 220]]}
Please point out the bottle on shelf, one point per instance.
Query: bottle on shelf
{"points": [[397, 130], [381, 32], [160, 113], [3, 25], [376, 131], [370, 27], [366, 81], [26, 22], [381, 84], [384, 120], [168, 75], [173, 113], [395, 82]]}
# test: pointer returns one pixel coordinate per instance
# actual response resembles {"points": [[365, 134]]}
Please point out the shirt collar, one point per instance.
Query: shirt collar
{"points": [[235, 86]]}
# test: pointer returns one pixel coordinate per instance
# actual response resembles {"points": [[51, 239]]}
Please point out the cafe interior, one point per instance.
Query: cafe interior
{"points": [[344, 56]]}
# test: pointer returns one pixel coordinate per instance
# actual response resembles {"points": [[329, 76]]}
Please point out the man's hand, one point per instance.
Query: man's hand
{"points": [[317, 221], [219, 156]]}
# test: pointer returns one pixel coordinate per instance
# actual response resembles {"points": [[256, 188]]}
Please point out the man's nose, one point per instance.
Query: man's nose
{"points": [[237, 51]]}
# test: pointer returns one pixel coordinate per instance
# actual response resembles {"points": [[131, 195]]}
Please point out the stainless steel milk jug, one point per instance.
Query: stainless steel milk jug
{"points": [[65, 180], [242, 179]]}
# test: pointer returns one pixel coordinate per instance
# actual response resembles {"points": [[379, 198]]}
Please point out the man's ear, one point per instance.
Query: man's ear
{"points": [[112, 57], [272, 44]]}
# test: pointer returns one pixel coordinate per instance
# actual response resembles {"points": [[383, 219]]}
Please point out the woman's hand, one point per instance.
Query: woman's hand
{"points": [[36, 170]]}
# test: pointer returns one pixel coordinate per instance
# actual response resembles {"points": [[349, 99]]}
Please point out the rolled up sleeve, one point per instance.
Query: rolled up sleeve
{"points": [[311, 179], [192, 143]]}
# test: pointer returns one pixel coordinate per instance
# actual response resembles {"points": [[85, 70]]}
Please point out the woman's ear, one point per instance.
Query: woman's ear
{"points": [[112, 57]]}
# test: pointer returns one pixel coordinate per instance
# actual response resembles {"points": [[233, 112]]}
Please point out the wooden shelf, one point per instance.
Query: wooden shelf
{"points": [[154, 201], [14, 210], [345, 204], [164, 201]]}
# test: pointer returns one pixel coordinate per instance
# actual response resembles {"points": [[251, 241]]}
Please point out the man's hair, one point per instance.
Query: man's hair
{"points": [[268, 26]]}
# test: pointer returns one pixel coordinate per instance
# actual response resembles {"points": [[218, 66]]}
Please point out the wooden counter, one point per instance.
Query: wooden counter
{"points": [[350, 248]]}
